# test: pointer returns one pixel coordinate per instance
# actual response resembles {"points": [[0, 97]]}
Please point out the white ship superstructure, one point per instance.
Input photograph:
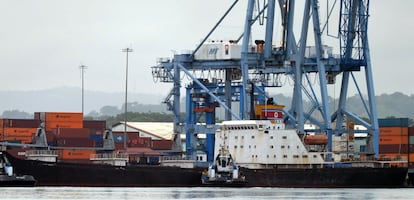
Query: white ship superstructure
{"points": [[258, 144]]}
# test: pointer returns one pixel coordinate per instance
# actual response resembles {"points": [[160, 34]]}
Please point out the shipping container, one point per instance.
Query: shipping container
{"points": [[161, 144], [21, 139], [64, 117], [22, 123], [75, 142], [411, 157], [95, 124], [390, 131], [393, 122], [19, 132], [119, 146], [411, 131], [71, 133], [50, 125], [393, 139], [140, 142], [75, 154], [393, 148], [393, 156], [119, 137], [411, 148]]}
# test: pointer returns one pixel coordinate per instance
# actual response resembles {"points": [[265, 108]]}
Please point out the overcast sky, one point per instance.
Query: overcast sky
{"points": [[43, 42]]}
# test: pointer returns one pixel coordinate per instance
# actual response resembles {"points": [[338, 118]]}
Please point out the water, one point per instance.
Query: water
{"points": [[105, 193]]}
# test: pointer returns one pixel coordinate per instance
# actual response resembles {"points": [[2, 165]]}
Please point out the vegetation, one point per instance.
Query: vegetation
{"points": [[396, 105]]}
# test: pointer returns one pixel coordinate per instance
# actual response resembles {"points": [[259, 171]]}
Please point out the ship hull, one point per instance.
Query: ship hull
{"points": [[80, 174], [327, 177]]}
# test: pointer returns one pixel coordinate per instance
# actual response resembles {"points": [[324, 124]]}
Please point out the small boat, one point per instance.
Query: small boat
{"points": [[224, 172], [9, 179]]}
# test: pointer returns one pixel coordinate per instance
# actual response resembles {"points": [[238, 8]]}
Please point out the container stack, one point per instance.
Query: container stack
{"points": [[393, 138], [133, 140], [18, 130]]}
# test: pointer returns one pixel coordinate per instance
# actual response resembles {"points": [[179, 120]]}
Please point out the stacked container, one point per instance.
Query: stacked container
{"points": [[55, 120], [18, 130], [393, 138]]}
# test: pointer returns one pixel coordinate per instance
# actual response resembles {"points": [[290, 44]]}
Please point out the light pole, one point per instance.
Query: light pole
{"points": [[127, 50], [82, 68]]}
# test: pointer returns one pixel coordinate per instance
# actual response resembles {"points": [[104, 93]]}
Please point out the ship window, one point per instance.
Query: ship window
{"points": [[284, 156], [250, 146], [266, 132], [284, 137], [260, 126], [274, 156], [252, 156], [315, 156], [255, 146], [288, 147], [295, 156], [283, 146], [252, 136], [241, 146], [235, 146], [256, 156], [225, 137], [304, 156], [271, 146], [271, 137], [235, 137], [297, 147], [267, 156], [242, 137]]}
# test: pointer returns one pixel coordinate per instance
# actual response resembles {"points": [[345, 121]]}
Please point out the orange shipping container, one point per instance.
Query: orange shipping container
{"points": [[54, 124], [75, 154], [19, 132], [393, 139], [24, 140], [390, 131], [63, 117], [393, 156], [411, 157]]}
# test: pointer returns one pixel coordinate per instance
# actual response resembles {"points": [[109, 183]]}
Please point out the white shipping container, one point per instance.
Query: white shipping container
{"points": [[219, 51]]}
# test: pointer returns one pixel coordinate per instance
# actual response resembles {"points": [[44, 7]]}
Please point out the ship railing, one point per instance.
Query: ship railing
{"points": [[109, 156], [41, 152], [164, 158]]}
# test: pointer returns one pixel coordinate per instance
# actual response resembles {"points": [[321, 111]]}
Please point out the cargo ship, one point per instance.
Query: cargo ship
{"points": [[266, 154]]}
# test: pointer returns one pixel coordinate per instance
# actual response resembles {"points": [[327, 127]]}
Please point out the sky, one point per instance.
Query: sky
{"points": [[43, 42]]}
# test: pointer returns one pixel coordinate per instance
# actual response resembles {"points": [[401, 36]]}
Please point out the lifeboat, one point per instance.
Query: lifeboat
{"points": [[319, 139]]}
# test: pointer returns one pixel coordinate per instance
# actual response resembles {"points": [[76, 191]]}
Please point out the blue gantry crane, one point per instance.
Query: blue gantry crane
{"points": [[221, 72]]}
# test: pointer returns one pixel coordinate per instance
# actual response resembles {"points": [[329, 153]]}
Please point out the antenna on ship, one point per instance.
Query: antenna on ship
{"points": [[127, 50], [82, 69]]}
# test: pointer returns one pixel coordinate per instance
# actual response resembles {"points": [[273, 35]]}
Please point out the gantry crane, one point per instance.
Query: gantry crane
{"points": [[246, 68]]}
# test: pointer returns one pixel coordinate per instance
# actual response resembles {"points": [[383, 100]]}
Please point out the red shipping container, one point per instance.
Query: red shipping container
{"points": [[411, 131], [94, 124], [72, 133], [161, 144], [23, 123], [393, 148], [75, 142]]}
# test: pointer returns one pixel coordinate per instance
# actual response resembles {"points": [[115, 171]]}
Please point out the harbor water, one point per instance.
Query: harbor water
{"points": [[100, 193]]}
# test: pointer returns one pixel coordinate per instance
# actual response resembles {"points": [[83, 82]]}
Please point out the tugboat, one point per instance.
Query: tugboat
{"points": [[8, 179], [224, 172]]}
